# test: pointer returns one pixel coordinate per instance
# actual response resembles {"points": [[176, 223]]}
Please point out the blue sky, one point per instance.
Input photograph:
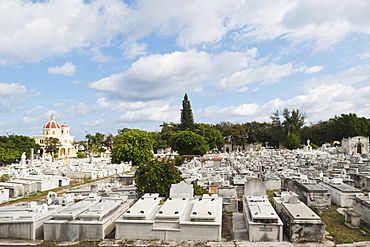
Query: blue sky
{"points": [[103, 65]]}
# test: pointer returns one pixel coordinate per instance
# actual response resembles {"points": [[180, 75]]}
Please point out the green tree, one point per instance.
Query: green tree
{"points": [[156, 176], [187, 119], [294, 120], [108, 141], [211, 135], [292, 141], [257, 132], [123, 130], [235, 134], [52, 145], [12, 147], [133, 145], [347, 125], [7, 155], [188, 142], [316, 133], [277, 131], [96, 142]]}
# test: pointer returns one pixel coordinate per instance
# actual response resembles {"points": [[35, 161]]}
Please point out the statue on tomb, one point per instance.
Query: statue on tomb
{"points": [[309, 148], [23, 159]]}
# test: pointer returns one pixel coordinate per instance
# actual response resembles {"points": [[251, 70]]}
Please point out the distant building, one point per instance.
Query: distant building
{"points": [[62, 132], [355, 145]]}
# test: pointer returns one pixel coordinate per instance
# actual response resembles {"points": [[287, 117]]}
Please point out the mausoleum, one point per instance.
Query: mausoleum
{"points": [[355, 145]]}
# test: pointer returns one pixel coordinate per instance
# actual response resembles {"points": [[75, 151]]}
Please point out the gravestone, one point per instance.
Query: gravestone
{"points": [[182, 190]]}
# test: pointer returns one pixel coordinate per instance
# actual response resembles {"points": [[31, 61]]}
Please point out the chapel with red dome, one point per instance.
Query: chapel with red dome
{"points": [[53, 129]]}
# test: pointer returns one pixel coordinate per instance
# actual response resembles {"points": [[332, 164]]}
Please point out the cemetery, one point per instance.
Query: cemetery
{"points": [[273, 195], [90, 213]]}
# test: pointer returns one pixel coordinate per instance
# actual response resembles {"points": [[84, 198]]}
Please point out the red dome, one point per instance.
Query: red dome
{"points": [[65, 126], [52, 125]]}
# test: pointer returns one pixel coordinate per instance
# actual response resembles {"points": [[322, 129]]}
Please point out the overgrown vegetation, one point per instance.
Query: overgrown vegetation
{"points": [[334, 222], [156, 176], [198, 190]]}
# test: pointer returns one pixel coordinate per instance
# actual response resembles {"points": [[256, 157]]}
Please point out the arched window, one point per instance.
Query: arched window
{"points": [[359, 148]]}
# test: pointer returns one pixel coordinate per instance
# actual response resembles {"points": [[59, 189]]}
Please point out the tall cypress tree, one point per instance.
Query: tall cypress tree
{"points": [[187, 120]]}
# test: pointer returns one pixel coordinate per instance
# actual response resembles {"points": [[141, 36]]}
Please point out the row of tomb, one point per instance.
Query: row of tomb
{"points": [[91, 213], [237, 182]]}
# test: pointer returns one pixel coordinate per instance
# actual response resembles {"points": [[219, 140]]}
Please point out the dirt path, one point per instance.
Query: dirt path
{"points": [[60, 191]]}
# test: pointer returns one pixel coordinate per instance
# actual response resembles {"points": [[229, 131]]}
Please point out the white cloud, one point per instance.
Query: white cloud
{"points": [[78, 110], [309, 70], [11, 89], [134, 49], [122, 106], [154, 113], [351, 76], [266, 74], [94, 122], [322, 98], [34, 31], [160, 76], [11, 93], [66, 69], [37, 116], [37, 30]]}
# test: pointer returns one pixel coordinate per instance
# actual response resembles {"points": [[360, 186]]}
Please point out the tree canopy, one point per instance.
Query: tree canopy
{"points": [[52, 145], [156, 176], [133, 145], [187, 119], [188, 142], [292, 141], [12, 147], [211, 135], [96, 143]]}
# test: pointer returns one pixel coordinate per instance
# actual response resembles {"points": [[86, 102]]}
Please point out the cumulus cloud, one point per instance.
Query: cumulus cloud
{"points": [[66, 69], [321, 99], [79, 110], [309, 20], [268, 73], [159, 76], [50, 28], [11, 93], [94, 122], [154, 114], [11, 89]]}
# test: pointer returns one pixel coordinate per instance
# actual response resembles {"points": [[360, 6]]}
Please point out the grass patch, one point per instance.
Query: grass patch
{"points": [[270, 195], [49, 243], [334, 222], [88, 243]]}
